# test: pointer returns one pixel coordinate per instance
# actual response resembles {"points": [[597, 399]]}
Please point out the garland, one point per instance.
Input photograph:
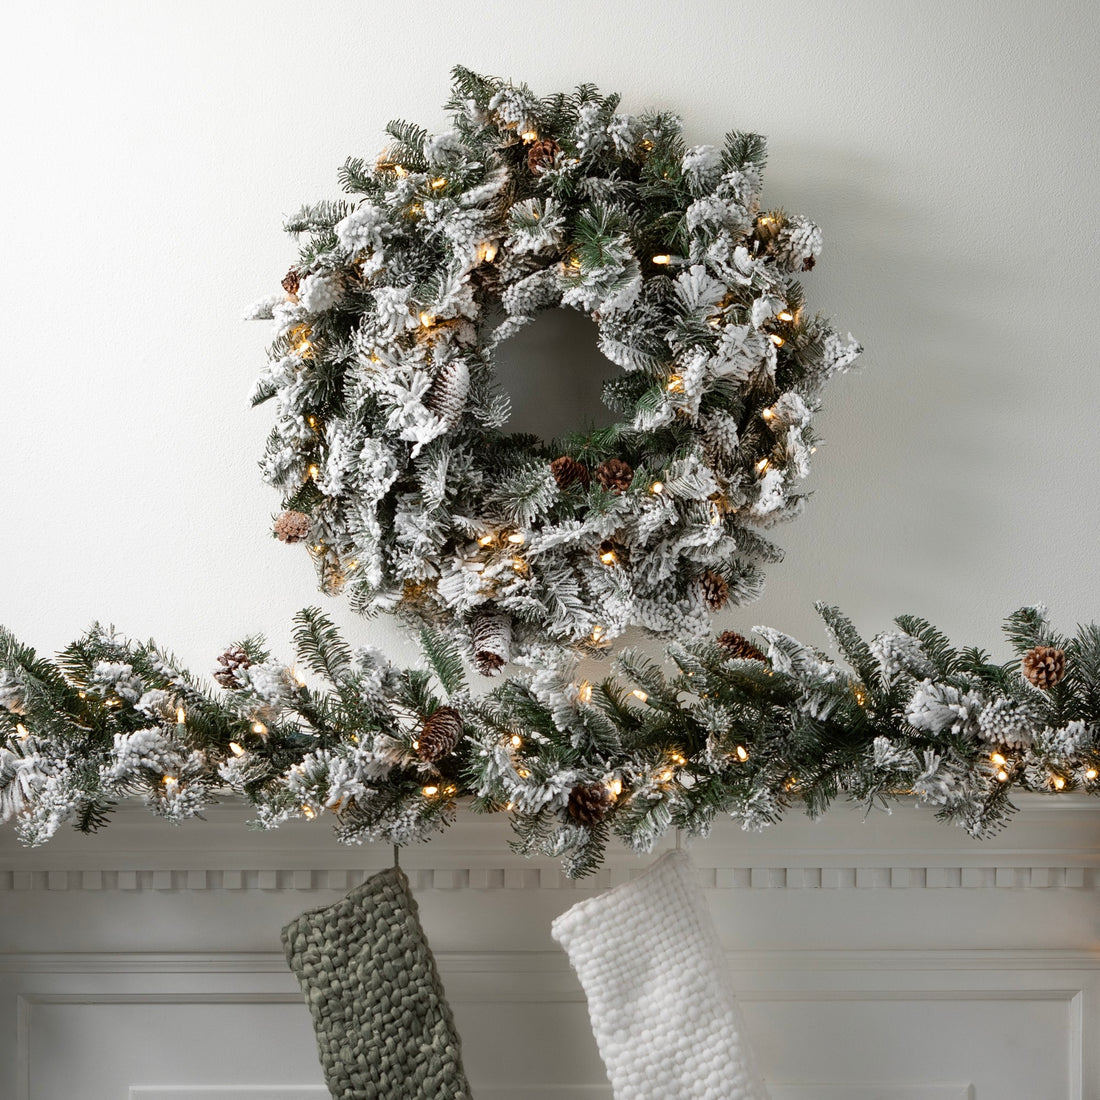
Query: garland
{"points": [[389, 445], [388, 752]]}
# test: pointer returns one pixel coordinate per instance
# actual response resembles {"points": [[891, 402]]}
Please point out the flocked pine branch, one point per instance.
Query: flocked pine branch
{"points": [[723, 728]]}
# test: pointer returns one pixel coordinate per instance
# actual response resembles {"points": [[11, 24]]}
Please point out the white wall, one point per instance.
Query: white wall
{"points": [[948, 149]]}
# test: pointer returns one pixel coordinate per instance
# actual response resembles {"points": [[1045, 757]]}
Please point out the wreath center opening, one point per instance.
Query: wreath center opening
{"points": [[554, 375]]}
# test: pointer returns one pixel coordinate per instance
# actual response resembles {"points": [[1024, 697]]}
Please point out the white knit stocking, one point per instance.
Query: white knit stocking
{"points": [[662, 1005]]}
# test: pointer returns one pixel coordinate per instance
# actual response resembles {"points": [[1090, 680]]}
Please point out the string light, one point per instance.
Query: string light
{"points": [[742, 753], [657, 488], [308, 812], [528, 136], [439, 183], [1002, 776], [677, 758], [584, 692], [22, 730], [762, 465], [517, 538], [1058, 782], [777, 340], [768, 413], [517, 741], [486, 252], [429, 792], [400, 171], [304, 349], [666, 775], [662, 258], [608, 557], [715, 515], [236, 749], [486, 540], [675, 384], [519, 565], [998, 759], [170, 783], [181, 716], [786, 315], [259, 728], [314, 471], [427, 319], [639, 695], [597, 633], [313, 422], [1091, 773]]}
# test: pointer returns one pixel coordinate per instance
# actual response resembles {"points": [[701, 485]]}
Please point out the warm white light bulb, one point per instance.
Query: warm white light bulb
{"points": [[516, 740], [662, 258], [259, 728], [181, 716], [236, 749], [639, 695], [742, 753], [429, 792]]}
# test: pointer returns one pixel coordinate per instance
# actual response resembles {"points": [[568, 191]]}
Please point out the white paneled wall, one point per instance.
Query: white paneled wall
{"points": [[892, 959]]}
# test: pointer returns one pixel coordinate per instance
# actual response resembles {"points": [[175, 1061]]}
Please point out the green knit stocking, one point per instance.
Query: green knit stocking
{"points": [[384, 1028]]}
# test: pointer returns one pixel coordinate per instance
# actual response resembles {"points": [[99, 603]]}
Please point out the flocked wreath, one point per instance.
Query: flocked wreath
{"points": [[390, 442]]}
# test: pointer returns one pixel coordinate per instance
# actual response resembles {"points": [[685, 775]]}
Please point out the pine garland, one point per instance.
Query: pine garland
{"points": [[388, 443], [728, 730]]}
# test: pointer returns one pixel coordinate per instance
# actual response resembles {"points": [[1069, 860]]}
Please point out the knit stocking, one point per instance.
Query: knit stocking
{"points": [[660, 998], [384, 1029]]}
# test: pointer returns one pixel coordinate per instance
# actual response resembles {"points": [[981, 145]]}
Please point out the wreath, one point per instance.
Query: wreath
{"points": [[390, 443]]}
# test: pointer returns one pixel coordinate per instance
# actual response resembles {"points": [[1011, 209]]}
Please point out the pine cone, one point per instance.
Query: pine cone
{"points": [[615, 475], [441, 732], [568, 471], [1043, 666], [589, 804], [716, 592], [233, 660], [291, 282], [448, 393], [492, 632], [740, 648], [541, 154], [292, 526]]}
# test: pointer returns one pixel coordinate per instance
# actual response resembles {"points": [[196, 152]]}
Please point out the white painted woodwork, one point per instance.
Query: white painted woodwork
{"points": [[891, 958]]}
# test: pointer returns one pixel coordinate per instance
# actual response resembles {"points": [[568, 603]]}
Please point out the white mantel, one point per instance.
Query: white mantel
{"points": [[890, 958]]}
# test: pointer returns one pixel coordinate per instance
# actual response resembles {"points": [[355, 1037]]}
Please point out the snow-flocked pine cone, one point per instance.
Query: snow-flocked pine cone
{"points": [[492, 631], [291, 282], [1007, 722], [1043, 666], [739, 647], [292, 526], [716, 592], [589, 803], [232, 661], [447, 396], [441, 732], [615, 475], [541, 154], [568, 471]]}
